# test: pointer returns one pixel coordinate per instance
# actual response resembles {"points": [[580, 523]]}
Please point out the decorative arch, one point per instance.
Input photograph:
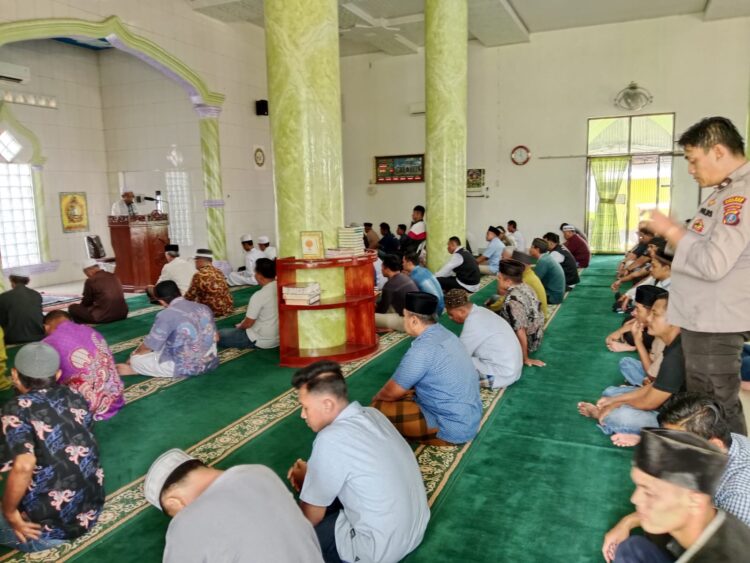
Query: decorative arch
{"points": [[7, 116]]}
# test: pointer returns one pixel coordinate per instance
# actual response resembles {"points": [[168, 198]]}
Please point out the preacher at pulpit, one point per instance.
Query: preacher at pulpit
{"points": [[126, 205]]}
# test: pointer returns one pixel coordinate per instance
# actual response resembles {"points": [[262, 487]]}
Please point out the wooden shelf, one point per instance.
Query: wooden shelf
{"points": [[300, 357], [331, 303]]}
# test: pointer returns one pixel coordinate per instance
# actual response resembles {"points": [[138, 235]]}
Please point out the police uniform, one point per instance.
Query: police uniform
{"points": [[710, 293]]}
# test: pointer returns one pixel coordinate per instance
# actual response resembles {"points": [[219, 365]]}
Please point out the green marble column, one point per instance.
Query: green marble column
{"points": [[211, 162], [304, 99], [41, 220], [446, 61]]}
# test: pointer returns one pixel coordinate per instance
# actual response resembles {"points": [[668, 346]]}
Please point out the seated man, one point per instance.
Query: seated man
{"points": [[562, 256], [176, 269], [389, 312], [264, 244], [425, 280], [244, 275], [5, 382], [362, 488], [623, 411], [417, 232], [182, 342], [660, 275], [521, 309], [578, 245], [495, 303], [103, 297], [704, 417], [490, 258], [388, 243], [242, 514], [21, 312], [622, 340], [518, 238], [86, 364], [209, 286], [54, 491], [492, 344], [403, 238], [676, 474], [371, 237], [461, 271], [433, 397], [260, 327], [549, 271], [637, 256]]}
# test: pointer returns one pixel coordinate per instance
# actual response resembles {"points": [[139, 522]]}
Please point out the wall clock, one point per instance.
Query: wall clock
{"points": [[520, 155]]}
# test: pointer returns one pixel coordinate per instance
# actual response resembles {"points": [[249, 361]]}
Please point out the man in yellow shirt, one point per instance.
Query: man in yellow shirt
{"points": [[529, 278], [4, 381]]}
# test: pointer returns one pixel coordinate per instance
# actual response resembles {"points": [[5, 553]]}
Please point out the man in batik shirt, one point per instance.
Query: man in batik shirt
{"points": [[86, 364], [209, 286], [182, 341], [521, 309], [54, 491]]}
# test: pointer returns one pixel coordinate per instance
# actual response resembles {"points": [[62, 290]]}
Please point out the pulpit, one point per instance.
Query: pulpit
{"points": [[138, 243]]}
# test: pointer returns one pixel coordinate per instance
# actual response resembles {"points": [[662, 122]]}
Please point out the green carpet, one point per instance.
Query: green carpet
{"points": [[537, 469]]}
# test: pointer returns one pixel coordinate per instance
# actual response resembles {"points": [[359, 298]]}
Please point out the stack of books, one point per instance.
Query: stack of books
{"points": [[351, 243], [301, 293]]}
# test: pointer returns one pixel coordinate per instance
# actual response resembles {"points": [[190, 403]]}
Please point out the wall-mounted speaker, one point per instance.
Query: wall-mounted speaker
{"points": [[261, 107]]}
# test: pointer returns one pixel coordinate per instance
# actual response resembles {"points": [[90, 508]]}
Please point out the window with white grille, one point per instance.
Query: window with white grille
{"points": [[179, 207], [19, 235], [9, 146]]}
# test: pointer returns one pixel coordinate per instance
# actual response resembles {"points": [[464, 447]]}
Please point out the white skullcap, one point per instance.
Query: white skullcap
{"points": [[246, 238], [263, 240]]}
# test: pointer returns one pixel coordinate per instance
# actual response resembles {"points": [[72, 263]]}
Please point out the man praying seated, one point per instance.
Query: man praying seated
{"points": [[490, 258], [245, 274], [660, 275], [21, 312], [488, 338], [361, 488], [495, 303], [103, 297], [245, 513], [176, 269], [260, 327], [461, 271], [209, 286], [548, 271], [264, 244], [86, 364], [425, 280], [389, 311], [433, 397], [54, 492], [623, 411], [182, 341], [622, 339], [5, 382], [521, 309], [578, 245], [676, 476], [704, 417], [562, 256]]}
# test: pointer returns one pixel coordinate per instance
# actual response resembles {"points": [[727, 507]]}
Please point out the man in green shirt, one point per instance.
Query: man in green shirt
{"points": [[549, 271]]}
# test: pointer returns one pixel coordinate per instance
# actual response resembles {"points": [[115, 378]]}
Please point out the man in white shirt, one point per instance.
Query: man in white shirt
{"points": [[177, 269], [125, 205], [260, 327], [492, 344], [362, 488], [245, 276], [264, 244], [461, 270], [517, 236]]}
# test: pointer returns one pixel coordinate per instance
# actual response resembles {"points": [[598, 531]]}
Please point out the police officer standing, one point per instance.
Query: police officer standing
{"points": [[710, 292]]}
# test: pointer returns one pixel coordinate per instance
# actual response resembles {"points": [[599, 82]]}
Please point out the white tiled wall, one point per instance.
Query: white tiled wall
{"points": [[98, 131]]}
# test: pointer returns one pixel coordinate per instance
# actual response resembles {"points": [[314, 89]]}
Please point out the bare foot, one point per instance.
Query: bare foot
{"points": [[625, 440], [745, 385], [125, 369], [620, 347], [589, 410]]}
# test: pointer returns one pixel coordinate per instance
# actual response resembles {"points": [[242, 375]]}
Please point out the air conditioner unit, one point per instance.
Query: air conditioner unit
{"points": [[416, 108], [14, 73]]}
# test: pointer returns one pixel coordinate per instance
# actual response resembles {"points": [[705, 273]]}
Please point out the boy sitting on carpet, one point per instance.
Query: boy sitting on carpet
{"points": [[55, 487], [623, 411], [362, 488], [622, 339]]}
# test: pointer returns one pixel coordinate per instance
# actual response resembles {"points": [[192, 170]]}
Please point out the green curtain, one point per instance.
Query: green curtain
{"points": [[608, 173]]}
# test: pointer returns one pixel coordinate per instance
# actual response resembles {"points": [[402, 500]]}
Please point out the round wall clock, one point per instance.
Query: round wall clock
{"points": [[520, 155], [260, 157]]}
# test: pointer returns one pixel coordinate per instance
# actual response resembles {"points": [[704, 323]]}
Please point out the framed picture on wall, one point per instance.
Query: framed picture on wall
{"points": [[312, 244], [74, 212], [399, 169]]}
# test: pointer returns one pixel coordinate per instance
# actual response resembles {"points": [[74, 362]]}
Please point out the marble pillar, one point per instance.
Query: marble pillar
{"points": [[446, 61], [40, 209], [211, 163], [304, 99]]}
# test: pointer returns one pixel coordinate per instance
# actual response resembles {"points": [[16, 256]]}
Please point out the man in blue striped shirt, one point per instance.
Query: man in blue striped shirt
{"points": [[425, 280]]}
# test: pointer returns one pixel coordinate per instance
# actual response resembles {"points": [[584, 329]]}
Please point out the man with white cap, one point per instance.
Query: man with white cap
{"points": [[577, 245], [265, 246], [103, 297], [245, 275], [243, 514], [209, 286], [125, 205], [55, 487]]}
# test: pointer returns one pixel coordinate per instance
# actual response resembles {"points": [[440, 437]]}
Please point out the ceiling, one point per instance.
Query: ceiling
{"points": [[396, 27]]}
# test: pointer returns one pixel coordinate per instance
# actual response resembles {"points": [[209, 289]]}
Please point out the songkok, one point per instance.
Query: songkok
{"points": [[522, 257], [568, 228], [540, 244], [367, 224], [37, 360], [664, 257], [456, 298], [646, 295], [659, 242], [89, 263], [494, 230], [511, 268], [172, 248], [160, 471], [263, 240], [246, 238], [680, 458], [420, 303], [204, 253]]}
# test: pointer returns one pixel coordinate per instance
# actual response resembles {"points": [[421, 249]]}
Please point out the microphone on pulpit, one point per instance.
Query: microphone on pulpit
{"points": [[158, 201]]}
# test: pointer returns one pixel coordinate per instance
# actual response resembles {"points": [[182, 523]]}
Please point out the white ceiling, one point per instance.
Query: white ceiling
{"points": [[396, 27]]}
